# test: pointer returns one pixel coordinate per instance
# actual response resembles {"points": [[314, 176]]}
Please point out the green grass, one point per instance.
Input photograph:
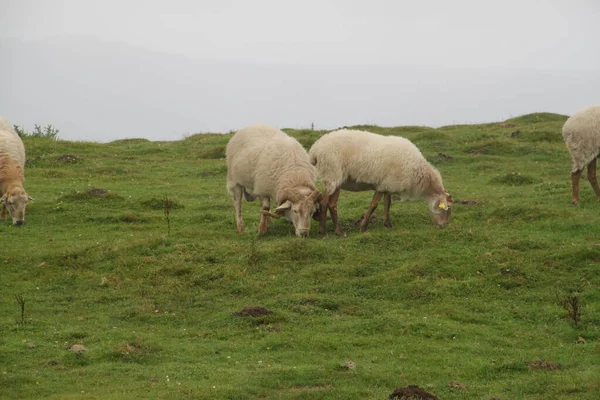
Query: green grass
{"points": [[352, 317]]}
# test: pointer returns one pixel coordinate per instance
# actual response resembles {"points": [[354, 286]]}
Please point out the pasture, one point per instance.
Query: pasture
{"points": [[130, 250]]}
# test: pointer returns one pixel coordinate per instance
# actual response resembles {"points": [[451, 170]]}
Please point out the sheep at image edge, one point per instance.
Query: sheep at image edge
{"points": [[12, 166], [390, 165], [581, 133]]}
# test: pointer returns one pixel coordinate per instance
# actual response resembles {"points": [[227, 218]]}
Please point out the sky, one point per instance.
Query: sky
{"points": [[327, 62]]}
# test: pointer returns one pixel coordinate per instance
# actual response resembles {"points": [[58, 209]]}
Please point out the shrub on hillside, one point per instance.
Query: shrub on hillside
{"points": [[48, 132]]}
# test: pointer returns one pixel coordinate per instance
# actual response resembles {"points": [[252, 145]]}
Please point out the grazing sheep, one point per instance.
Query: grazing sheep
{"points": [[12, 166], [264, 162], [390, 165], [581, 133]]}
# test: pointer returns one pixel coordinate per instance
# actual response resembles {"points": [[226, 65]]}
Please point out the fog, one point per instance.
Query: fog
{"points": [[111, 70]]}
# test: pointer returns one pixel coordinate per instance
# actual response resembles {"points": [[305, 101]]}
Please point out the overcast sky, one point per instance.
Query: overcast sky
{"points": [[559, 37]]}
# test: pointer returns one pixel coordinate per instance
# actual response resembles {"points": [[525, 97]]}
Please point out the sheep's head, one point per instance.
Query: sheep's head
{"points": [[301, 211], [441, 207], [15, 201]]}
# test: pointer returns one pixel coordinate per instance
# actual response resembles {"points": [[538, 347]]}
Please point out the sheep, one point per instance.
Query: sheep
{"points": [[390, 165], [581, 133], [264, 162], [12, 166]]}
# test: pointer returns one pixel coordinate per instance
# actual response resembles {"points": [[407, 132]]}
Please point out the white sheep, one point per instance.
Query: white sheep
{"points": [[12, 167], [390, 165], [581, 133], [264, 162]]}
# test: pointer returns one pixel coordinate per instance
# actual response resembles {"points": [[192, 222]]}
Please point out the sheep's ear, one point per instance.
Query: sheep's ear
{"points": [[443, 204], [284, 206], [30, 198]]}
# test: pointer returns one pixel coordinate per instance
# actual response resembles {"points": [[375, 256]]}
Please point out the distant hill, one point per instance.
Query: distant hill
{"points": [[537, 117], [97, 90]]}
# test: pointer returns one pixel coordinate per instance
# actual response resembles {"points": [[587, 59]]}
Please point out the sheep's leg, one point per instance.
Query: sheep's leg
{"points": [[591, 174], [575, 185], [332, 206], [237, 204], [3, 214], [367, 217], [323, 215], [387, 202], [265, 218]]}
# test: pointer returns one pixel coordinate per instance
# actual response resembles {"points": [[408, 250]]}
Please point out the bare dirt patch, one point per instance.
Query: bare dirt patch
{"points": [[457, 385], [97, 192], [67, 158], [253, 311], [411, 392], [445, 157], [477, 151], [310, 388], [543, 365]]}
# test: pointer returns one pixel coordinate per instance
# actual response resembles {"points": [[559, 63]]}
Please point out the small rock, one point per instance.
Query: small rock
{"points": [[30, 345], [349, 364], [77, 348], [580, 340]]}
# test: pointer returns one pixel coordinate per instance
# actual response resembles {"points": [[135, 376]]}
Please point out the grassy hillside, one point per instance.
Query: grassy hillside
{"points": [[475, 311]]}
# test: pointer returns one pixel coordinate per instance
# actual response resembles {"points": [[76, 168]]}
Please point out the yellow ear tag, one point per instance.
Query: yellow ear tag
{"points": [[443, 206]]}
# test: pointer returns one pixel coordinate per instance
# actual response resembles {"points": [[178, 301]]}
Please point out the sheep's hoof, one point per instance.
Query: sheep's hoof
{"points": [[387, 224], [575, 202]]}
